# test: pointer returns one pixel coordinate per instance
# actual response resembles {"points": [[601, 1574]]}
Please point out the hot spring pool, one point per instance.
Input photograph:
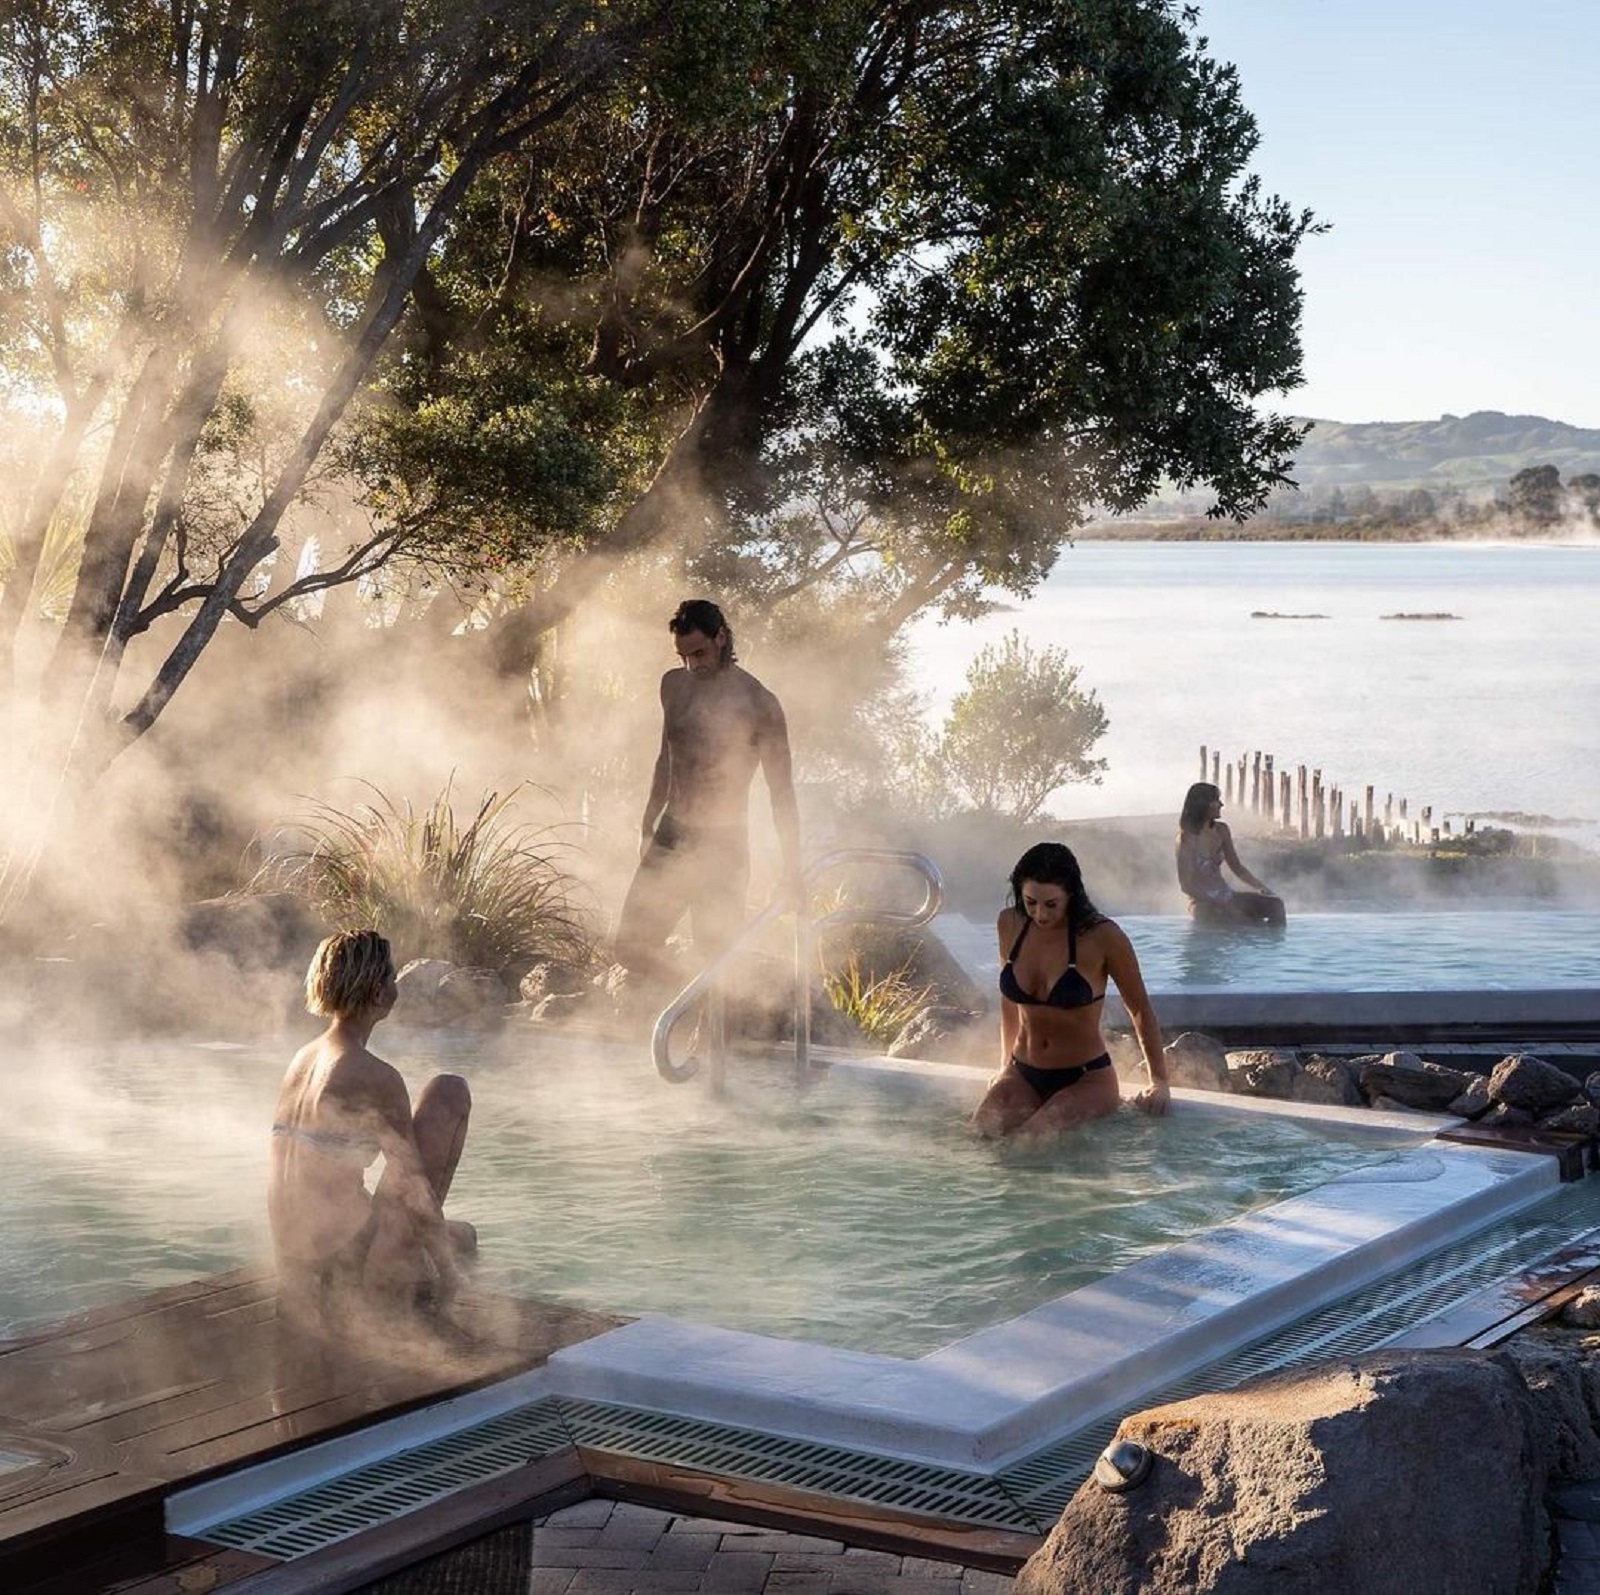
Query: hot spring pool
{"points": [[859, 1214], [1489, 950]]}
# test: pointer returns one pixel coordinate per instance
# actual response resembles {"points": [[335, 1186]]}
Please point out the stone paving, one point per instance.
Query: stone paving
{"points": [[616, 1548]]}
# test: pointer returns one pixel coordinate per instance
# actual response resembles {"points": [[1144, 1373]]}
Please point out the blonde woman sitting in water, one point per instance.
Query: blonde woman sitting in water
{"points": [[339, 1107], [1060, 951], [1205, 844]]}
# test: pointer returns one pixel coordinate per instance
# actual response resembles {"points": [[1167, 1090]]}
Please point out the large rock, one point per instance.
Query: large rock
{"points": [[1474, 1102], [1263, 1072], [473, 998], [1405, 1078], [1197, 1060], [1328, 1080], [1563, 1403], [1392, 1474], [944, 1034], [419, 1002], [1580, 1118], [1523, 1081]]}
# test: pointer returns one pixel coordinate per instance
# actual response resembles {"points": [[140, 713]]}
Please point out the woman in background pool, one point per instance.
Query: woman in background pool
{"points": [[1059, 952], [339, 1107], [1205, 844]]}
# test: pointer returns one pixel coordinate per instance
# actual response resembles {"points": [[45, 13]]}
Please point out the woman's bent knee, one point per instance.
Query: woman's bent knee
{"points": [[446, 1094]]}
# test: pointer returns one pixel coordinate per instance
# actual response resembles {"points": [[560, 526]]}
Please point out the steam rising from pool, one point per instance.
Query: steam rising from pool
{"points": [[850, 1213]]}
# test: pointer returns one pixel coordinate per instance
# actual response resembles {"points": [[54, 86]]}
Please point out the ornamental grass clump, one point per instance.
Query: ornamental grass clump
{"points": [[881, 1005], [488, 893]]}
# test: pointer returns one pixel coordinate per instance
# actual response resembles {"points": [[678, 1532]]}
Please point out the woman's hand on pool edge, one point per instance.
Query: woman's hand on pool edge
{"points": [[1154, 1099]]}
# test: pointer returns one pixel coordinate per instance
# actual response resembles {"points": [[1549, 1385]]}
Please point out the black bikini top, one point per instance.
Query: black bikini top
{"points": [[1071, 991]]}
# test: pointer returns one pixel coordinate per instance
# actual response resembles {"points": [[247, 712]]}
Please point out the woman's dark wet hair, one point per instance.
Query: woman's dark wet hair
{"points": [[1055, 864], [700, 614], [1197, 803]]}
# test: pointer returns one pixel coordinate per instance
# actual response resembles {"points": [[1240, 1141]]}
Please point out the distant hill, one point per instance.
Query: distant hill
{"points": [[1481, 450]]}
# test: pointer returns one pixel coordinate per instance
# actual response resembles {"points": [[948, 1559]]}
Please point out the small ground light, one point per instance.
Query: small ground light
{"points": [[1122, 1465]]}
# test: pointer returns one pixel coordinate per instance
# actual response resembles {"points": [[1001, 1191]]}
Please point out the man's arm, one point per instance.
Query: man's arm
{"points": [[661, 780], [777, 768]]}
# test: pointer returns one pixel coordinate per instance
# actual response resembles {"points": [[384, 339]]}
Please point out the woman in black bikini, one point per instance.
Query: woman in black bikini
{"points": [[339, 1107], [1060, 951]]}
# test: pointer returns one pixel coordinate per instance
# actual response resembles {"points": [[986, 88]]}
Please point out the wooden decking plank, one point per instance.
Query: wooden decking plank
{"points": [[695, 1493], [169, 1298], [186, 1568]]}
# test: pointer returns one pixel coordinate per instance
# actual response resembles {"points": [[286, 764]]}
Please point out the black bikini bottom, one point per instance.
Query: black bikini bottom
{"points": [[1049, 1081]]}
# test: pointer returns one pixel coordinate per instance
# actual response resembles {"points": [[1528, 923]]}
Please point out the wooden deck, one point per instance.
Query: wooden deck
{"points": [[106, 1413]]}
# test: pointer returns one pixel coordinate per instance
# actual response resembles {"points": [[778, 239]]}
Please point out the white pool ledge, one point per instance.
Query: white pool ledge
{"points": [[992, 1397]]}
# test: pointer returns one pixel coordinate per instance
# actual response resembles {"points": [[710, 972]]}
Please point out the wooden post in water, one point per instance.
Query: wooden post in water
{"points": [[1336, 810], [1355, 819], [1305, 802], [1255, 782], [1269, 790], [1317, 796], [1227, 788], [1241, 780], [1388, 811], [1416, 832], [1216, 769], [1286, 800], [1368, 831], [1204, 762]]}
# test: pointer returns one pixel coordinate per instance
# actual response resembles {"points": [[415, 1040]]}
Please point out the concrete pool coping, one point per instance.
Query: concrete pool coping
{"points": [[985, 1402]]}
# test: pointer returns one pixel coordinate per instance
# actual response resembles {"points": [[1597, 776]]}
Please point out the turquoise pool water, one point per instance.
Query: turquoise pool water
{"points": [[1499, 950], [1510, 950], [858, 1213]]}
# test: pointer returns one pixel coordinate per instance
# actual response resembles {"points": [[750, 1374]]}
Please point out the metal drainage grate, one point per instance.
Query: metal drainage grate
{"points": [[1026, 1498], [381, 1491], [1360, 1322], [836, 1471]]}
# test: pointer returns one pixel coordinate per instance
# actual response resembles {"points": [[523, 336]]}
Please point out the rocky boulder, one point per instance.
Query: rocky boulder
{"points": [[946, 1034], [1474, 1102], [1581, 1118], [1405, 1078], [1523, 1081], [1390, 1474], [1197, 1060], [472, 998], [1327, 1080], [1263, 1072]]}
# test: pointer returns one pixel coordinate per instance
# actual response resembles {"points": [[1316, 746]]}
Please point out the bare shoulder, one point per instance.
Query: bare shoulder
{"points": [[673, 683], [1009, 922], [1109, 936], [1221, 828]]}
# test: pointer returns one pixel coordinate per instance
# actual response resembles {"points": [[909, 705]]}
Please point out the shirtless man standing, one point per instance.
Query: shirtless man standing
{"points": [[718, 724]]}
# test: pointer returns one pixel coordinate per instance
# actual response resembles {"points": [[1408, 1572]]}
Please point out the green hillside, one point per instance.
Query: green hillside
{"points": [[1481, 450]]}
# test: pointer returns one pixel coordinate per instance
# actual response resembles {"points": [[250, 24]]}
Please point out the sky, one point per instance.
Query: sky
{"points": [[1452, 146]]}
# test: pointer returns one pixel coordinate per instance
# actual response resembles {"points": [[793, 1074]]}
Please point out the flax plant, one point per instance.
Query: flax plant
{"points": [[485, 892]]}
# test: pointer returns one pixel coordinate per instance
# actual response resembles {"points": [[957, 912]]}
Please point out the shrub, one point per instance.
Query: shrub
{"points": [[489, 893]]}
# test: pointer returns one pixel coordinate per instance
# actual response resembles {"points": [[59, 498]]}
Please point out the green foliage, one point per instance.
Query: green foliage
{"points": [[483, 892], [880, 1005], [1021, 728]]}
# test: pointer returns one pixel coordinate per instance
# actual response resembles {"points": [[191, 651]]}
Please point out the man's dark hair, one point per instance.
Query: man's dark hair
{"points": [[700, 614]]}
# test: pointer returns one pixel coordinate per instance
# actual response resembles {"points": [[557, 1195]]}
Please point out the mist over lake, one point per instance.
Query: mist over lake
{"points": [[1498, 710]]}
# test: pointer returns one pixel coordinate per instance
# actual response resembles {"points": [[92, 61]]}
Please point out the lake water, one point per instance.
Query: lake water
{"points": [[1498, 710]]}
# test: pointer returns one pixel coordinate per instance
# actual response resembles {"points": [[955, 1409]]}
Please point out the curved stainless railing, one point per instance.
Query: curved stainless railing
{"points": [[709, 983]]}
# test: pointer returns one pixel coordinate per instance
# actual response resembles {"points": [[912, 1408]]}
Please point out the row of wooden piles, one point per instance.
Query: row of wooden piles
{"points": [[1304, 804]]}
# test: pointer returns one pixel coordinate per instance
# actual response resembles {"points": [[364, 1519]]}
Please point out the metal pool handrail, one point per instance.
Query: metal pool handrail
{"points": [[805, 928]]}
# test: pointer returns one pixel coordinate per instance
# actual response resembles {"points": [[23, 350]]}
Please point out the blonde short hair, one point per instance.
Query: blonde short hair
{"points": [[348, 973]]}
